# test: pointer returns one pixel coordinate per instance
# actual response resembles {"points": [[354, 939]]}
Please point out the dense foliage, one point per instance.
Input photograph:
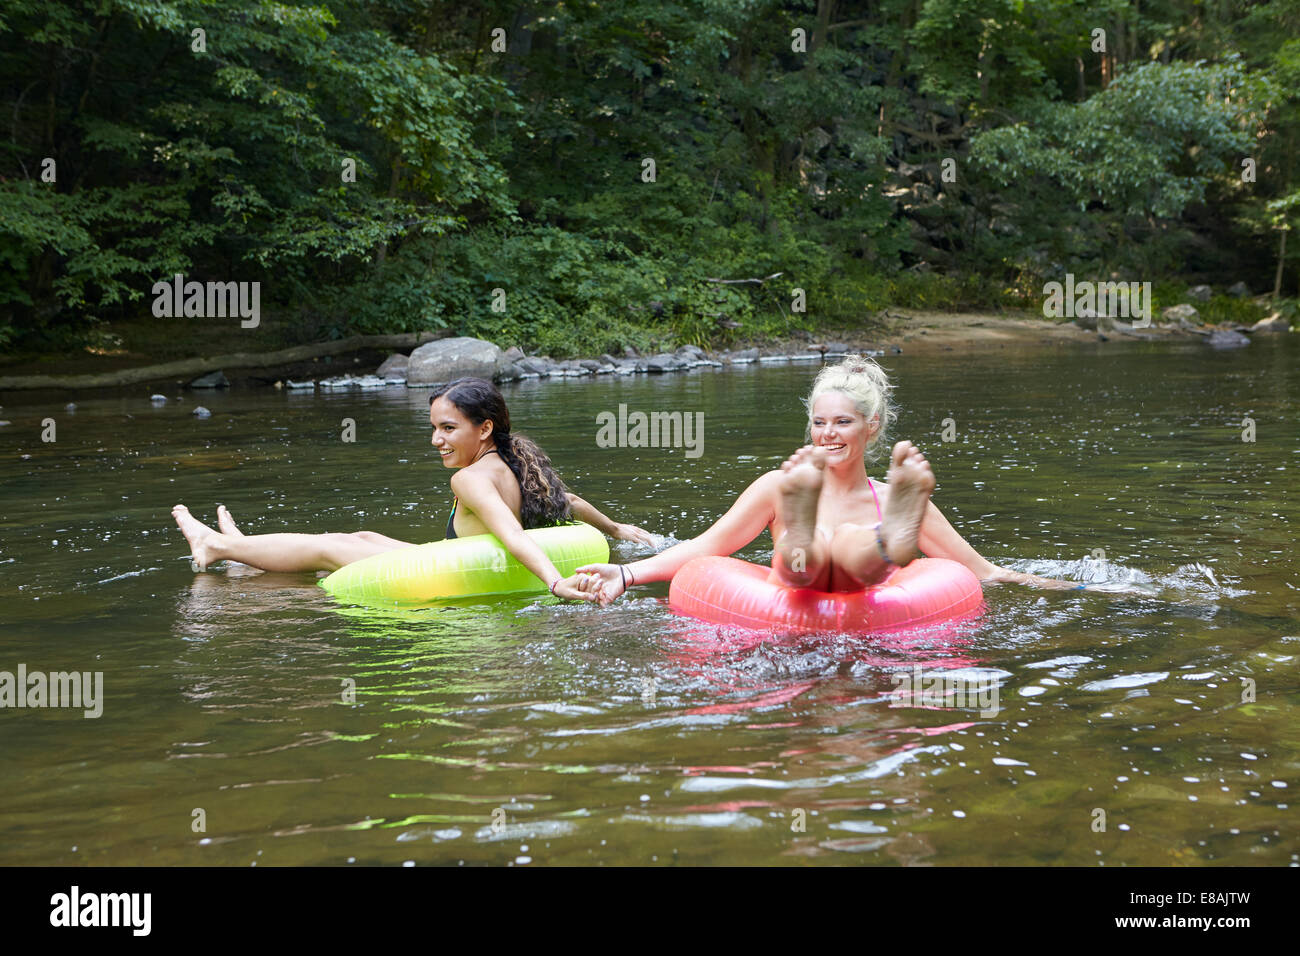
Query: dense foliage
{"points": [[599, 162]]}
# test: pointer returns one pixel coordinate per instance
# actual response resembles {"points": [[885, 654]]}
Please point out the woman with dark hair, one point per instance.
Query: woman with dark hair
{"points": [[503, 484]]}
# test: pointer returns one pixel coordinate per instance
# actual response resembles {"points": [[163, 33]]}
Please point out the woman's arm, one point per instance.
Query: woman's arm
{"points": [[587, 513], [939, 539], [482, 498], [744, 521]]}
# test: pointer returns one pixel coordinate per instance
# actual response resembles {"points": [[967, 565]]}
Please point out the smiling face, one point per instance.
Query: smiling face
{"points": [[838, 426], [457, 439]]}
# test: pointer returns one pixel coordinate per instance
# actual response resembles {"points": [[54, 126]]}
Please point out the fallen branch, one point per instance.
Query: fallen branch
{"points": [[183, 368], [774, 275]]}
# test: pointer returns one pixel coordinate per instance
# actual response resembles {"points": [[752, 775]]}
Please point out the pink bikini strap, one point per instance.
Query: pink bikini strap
{"points": [[875, 498]]}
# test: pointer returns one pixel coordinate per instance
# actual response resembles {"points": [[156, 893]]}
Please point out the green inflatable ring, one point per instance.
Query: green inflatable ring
{"points": [[462, 567]]}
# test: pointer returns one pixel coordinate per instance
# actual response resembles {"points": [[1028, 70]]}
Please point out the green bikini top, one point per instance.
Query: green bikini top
{"points": [[451, 518]]}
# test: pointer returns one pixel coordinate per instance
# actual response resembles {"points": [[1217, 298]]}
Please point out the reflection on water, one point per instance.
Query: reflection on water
{"points": [[522, 730]]}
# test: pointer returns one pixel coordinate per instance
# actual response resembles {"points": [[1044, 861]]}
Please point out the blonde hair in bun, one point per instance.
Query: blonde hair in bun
{"points": [[866, 384]]}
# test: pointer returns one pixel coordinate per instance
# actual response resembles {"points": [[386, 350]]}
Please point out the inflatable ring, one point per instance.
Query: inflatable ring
{"points": [[735, 592], [462, 567]]}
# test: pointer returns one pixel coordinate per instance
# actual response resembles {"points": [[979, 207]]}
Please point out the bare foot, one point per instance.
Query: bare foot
{"points": [[801, 487], [226, 523], [197, 534], [910, 483]]}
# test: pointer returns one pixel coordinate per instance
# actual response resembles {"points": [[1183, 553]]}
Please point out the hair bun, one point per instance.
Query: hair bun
{"points": [[862, 379]]}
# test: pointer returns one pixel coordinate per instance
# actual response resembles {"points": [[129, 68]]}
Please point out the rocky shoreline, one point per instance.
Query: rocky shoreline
{"points": [[435, 363], [439, 362]]}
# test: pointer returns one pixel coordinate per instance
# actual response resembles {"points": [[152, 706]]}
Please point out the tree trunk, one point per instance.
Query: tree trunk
{"points": [[825, 9], [1281, 259], [183, 368]]}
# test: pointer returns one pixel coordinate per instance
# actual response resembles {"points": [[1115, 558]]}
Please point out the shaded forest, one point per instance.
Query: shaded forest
{"points": [[579, 177]]}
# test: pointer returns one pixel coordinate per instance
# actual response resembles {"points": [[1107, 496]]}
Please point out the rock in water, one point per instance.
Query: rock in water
{"points": [[663, 362], [1226, 340], [1086, 318], [394, 367], [1274, 323], [511, 373], [211, 380], [1178, 314], [535, 366], [448, 359]]}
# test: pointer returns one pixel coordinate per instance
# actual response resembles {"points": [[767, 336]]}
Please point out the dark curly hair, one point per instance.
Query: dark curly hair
{"points": [[544, 497]]}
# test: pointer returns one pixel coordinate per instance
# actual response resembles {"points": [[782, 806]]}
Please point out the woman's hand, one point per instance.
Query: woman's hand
{"points": [[630, 532], [603, 581], [1007, 576], [576, 587]]}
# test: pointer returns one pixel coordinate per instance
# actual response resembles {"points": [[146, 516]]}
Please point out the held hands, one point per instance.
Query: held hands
{"points": [[604, 582], [576, 587]]}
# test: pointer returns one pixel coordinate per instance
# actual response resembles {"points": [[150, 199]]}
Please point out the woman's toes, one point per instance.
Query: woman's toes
{"points": [[800, 492], [910, 483], [797, 459], [226, 523]]}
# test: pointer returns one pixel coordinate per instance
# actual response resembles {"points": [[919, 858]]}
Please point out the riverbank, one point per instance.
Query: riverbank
{"points": [[121, 363]]}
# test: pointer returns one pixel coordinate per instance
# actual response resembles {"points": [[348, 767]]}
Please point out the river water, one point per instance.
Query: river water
{"points": [[1152, 719]]}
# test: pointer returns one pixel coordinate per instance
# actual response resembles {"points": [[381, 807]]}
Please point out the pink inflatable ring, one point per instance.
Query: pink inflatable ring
{"points": [[735, 592]]}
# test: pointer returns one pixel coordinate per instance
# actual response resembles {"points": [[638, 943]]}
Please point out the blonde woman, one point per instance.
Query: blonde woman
{"points": [[834, 529]]}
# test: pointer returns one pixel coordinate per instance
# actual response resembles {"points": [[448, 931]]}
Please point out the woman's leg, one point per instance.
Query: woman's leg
{"points": [[855, 549], [856, 559], [226, 522], [279, 552], [802, 556]]}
